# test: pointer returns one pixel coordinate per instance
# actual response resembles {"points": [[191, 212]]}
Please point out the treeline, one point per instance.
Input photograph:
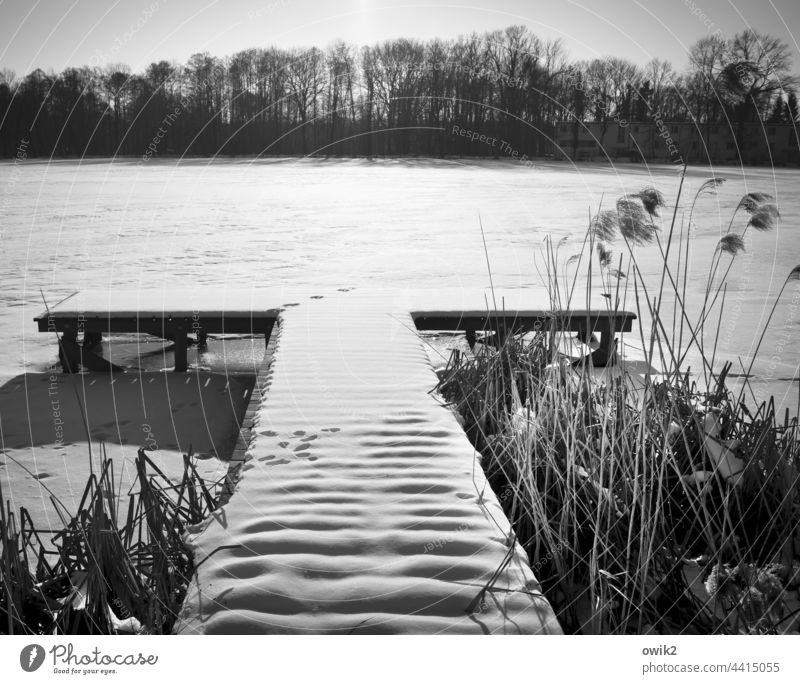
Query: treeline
{"points": [[401, 97]]}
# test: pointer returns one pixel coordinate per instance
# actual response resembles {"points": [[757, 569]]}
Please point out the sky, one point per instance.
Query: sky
{"points": [[54, 34]]}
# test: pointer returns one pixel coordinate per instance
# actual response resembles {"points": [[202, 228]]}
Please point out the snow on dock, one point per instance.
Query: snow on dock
{"points": [[361, 507], [360, 504]]}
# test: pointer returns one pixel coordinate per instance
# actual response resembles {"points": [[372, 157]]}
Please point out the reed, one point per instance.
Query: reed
{"points": [[105, 573], [658, 504]]}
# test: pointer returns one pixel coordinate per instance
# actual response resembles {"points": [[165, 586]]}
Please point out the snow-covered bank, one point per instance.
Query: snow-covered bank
{"points": [[45, 447]]}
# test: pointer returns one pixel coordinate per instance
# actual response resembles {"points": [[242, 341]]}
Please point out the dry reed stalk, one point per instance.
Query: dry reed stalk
{"points": [[625, 498]]}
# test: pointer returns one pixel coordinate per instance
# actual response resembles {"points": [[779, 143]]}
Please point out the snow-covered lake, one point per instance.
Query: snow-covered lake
{"points": [[356, 223]]}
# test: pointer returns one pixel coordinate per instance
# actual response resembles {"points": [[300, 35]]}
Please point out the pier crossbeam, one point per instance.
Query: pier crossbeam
{"points": [[158, 314], [584, 322]]}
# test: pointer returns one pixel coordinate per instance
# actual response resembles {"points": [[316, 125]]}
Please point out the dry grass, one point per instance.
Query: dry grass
{"points": [[113, 568], [666, 506]]}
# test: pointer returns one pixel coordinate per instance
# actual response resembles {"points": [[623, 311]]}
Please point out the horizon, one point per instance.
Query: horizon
{"points": [[52, 37]]}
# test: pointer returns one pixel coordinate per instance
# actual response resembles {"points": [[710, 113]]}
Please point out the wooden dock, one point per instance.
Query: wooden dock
{"points": [[177, 314], [170, 314], [360, 506]]}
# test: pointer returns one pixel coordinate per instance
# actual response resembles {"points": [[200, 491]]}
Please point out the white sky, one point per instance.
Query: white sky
{"points": [[53, 34]]}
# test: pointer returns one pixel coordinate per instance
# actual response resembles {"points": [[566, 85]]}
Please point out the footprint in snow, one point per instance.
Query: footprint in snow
{"points": [[274, 463]]}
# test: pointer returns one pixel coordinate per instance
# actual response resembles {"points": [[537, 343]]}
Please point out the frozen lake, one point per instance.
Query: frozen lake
{"points": [[356, 223]]}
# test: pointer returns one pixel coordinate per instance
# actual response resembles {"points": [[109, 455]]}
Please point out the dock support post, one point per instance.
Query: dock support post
{"points": [[472, 338], [92, 339], [69, 353], [606, 354], [181, 343], [502, 332]]}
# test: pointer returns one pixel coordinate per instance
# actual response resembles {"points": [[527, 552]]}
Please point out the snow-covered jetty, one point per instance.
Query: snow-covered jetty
{"points": [[361, 506]]}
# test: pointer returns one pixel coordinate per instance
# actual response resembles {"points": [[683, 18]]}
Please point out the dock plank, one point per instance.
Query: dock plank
{"points": [[361, 506]]}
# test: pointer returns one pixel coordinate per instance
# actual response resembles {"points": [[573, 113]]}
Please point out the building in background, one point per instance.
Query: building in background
{"points": [[755, 143]]}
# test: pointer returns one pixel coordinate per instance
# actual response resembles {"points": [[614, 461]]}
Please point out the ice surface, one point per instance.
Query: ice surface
{"points": [[329, 224]]}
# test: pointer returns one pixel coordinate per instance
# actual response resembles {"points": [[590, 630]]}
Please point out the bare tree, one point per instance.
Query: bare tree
{"points": [[758, 68], [512, 54], [341, 79], [305, 83], [707, 59], [399, 97]]}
